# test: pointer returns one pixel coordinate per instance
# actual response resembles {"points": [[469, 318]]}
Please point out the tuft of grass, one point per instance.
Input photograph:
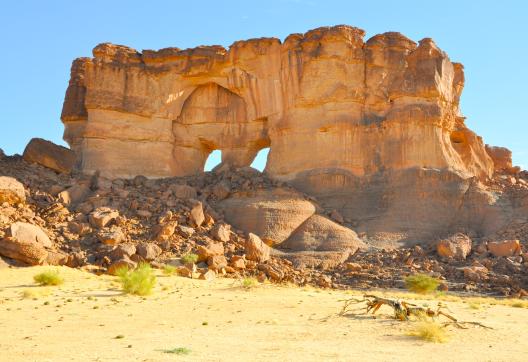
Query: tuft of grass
{"points": [[474, 305], [189, 258], [249, 283], [50, 277], [169, 269], [140, 281], [31, 294], [181, 351], [421, 283], [520, 304], [430, 332]]}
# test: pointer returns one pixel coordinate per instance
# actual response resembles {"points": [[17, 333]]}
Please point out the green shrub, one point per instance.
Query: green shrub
{"points": [[421, 283], [140, 281], [189, 258], [249, 283], [169, 269], [50, 277]]}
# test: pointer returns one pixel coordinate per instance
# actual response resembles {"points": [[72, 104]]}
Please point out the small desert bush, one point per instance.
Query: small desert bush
{"points": [[179, 351], [189, 258], [474, 305], [421, 283], [249, 283], [34, 294], [430, 332], [520, 304], [140, 281], [169, 269], [50, 277]]}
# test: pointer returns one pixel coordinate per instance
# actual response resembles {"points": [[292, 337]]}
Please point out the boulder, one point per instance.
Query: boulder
{"points": [[166, 230], [209, 275], [25, 232], [318, 233], [457, 247], [272, 215], [148, 251], [27, 251], [476, 273], [504, 248], [217, 262], [256, 249], [272, 271], [238, 262], [212, 249], [221, 232], [324, 281], [185, 271], [185, 231], [183, 191], [75, 194], [79, 228], [502, 159], [11, 191], [50, 155], [125, 250], [197, 214], [112, 236], [221, 190], [56, 258], [102, 216]]}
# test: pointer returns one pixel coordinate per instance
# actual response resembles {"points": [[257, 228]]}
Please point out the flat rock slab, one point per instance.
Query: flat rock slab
{"points": [[50, 155]]}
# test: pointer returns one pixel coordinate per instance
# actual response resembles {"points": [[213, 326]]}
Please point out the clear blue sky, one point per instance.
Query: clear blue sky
{"points": [[41, 38]]}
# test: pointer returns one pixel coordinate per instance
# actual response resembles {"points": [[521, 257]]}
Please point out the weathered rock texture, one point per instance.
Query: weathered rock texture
{"points": [[373, 128], [49, 155]]}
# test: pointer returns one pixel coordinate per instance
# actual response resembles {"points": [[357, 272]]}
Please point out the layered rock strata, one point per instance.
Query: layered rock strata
{"points": [[372, 128]]}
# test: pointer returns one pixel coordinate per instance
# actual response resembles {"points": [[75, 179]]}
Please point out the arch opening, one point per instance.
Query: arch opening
{"points": [[213, 160], [261, 159]]}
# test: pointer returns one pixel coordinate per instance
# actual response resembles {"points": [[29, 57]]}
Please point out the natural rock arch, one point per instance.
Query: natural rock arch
{"points": [[214, 118]]}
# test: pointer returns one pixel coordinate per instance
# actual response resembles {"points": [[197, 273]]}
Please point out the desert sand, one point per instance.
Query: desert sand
{"points": [[89, 319]]}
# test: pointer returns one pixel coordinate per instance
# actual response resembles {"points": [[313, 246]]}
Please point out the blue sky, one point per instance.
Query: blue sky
{"points": [[41, 38]]}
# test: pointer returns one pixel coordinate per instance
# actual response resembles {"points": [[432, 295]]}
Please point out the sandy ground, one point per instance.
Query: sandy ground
{"points": [[219, 321]]}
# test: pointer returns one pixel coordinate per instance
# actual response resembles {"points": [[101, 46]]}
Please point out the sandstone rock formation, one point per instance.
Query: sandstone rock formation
{"points": [[318, 233], [11, 190], [273, 216], [148, 220], [371, 128], [387, 103], [49, 155]]}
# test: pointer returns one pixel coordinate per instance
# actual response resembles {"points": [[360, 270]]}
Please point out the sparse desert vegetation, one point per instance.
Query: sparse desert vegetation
{"points": [[249, 283], [429, 331], [140, 281], [421, 283], [49, 277], [95, 320], [189, 258], [181, 351], [169, 269]]}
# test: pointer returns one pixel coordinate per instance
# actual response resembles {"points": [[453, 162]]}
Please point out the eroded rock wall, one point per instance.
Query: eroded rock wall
{"points": [[373, 128], [321, 100]]}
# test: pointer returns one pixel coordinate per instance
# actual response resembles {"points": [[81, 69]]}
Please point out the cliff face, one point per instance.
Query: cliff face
{"points": [[322, 100], [372, 128]]}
